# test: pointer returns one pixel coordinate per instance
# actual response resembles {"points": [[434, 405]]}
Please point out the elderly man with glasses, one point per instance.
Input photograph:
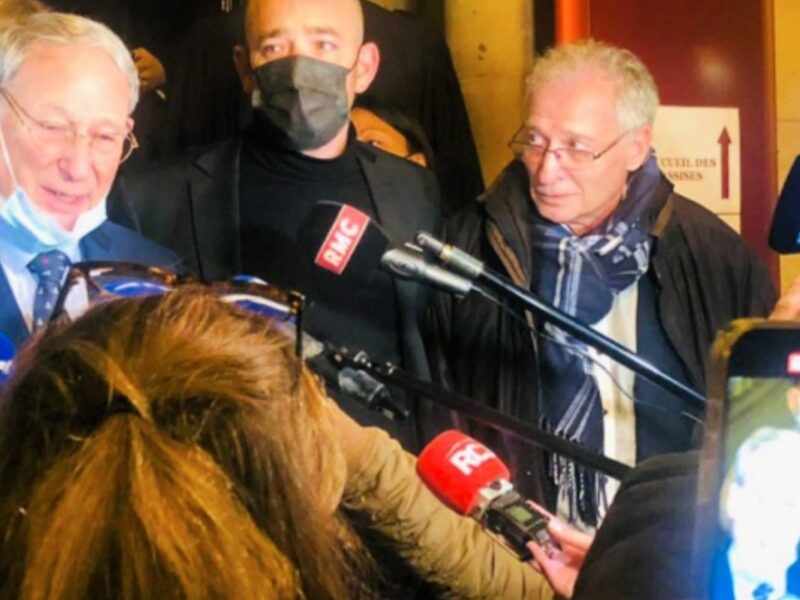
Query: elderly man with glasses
{"points": [[585, 219], [67, 88]]}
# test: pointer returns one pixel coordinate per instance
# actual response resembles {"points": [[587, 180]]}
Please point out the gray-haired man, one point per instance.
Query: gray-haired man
{"points": [[585, 219]]}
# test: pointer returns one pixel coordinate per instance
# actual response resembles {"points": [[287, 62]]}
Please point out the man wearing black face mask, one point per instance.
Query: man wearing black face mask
{"points": [[304, 99], [240, 207]]}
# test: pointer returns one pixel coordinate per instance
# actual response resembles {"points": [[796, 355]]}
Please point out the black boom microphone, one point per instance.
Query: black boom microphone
{"points": [[344, 245]]}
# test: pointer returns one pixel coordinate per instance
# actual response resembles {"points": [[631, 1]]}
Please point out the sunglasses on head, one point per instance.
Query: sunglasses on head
{"points": [[91, 282]]}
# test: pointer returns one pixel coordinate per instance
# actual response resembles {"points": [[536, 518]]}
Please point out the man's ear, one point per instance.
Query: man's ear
{"points": [[640, 147], [367, 63], [241, 58]]}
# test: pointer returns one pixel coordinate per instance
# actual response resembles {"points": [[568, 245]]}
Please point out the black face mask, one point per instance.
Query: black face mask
{"points": [[305, 99]]}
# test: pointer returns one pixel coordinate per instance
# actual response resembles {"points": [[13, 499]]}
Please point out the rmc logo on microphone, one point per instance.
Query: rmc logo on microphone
{"points": [[470, 457], [342, 239]]}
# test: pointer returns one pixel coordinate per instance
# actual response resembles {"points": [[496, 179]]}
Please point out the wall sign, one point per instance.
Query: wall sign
{"points": [[699, 150]]}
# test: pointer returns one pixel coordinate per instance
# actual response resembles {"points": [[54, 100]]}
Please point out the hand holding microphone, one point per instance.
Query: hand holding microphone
{"points": [[561, 564], [471, 480]]}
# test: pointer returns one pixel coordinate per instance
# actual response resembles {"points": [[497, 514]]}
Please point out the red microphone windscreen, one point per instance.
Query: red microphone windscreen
{"points": [[456, 467]]}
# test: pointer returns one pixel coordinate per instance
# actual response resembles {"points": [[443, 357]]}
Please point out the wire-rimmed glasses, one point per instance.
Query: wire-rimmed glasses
{"points": [[59, 136], [523, 146]]}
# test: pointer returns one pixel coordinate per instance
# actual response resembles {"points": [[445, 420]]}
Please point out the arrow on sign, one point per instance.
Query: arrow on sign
{"points": [[724, 150]]}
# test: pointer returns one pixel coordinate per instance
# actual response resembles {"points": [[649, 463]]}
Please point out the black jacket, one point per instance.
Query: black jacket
{"points": [[644, 548], [704, 275]]}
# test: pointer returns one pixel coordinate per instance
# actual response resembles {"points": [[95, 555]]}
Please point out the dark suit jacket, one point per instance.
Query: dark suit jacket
{"points": [[192, 207], [109, 242]]}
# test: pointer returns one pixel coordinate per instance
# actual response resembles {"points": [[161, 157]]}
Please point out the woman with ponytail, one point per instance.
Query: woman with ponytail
{"points": [[169, 447], [173, 448]]}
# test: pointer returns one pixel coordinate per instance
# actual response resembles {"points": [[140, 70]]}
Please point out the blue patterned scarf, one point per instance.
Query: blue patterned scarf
{"points": [[582, 276]]}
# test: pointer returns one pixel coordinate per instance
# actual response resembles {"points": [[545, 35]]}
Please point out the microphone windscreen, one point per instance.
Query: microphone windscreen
{"points": [[343, 245], [784, 235], [456, 467]]}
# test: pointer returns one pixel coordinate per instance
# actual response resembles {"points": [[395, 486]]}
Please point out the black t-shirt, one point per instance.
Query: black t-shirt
{"points": [[278, 189]]}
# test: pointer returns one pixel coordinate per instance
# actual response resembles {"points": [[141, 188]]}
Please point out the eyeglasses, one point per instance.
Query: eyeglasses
{"points": [[104, 146], [522, 146], [106, 281]]}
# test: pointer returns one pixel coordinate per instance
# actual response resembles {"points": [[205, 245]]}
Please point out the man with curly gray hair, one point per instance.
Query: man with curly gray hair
{"points": [[585, 219]]}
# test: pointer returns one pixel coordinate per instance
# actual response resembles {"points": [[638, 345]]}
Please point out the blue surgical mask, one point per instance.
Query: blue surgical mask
{"points": [[31, 228]]}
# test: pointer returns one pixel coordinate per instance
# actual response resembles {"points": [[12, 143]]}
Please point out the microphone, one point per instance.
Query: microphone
{"points": [[325, 360], [408, 264], [346, 246], [455, 258], [355, 383], [471, 480], [371, 393], [343, 244]]}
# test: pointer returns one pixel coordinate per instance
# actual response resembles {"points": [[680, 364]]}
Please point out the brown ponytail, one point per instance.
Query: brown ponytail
{"points": [[163, 448], [166, 510]]}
